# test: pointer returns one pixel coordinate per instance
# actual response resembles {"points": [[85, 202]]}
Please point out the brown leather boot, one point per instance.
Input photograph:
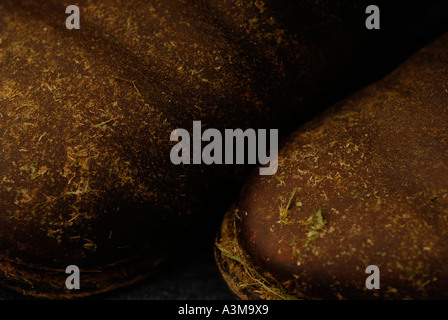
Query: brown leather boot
{"points": [[365, 184]]}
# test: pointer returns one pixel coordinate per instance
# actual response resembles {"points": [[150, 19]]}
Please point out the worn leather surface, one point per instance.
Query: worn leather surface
{"points": [[366, 183]]}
